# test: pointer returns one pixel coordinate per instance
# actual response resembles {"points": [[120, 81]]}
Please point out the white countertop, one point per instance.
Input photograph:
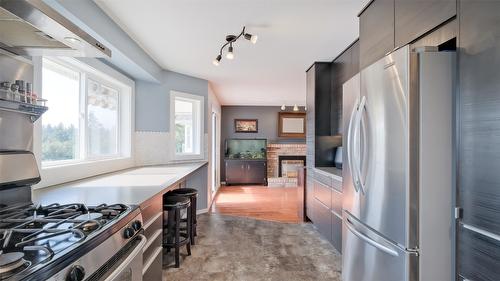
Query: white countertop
{"points": [[132, 186]]}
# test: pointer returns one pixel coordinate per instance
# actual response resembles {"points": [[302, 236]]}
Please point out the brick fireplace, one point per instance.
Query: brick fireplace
{"points": [[291, 154]]}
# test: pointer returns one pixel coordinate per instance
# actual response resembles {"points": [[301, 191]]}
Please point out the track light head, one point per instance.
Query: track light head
{"points": [[230, 39], [251, 38], [230, 54], [216, 61]]}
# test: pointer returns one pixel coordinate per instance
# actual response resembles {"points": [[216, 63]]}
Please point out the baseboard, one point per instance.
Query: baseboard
{"points": [[202, 211]]}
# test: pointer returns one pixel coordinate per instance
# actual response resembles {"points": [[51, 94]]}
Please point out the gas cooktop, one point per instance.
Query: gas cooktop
{"points": [[35, 238]]}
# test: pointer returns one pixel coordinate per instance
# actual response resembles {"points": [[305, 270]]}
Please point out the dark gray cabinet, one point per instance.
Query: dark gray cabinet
{"points": [[327, 207], [376, 31], [479, 133], [318, 88], [345, 66], [414, 18], [246, 171]]}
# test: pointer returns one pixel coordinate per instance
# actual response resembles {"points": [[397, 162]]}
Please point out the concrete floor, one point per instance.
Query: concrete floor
{"points": [[236, 248]]}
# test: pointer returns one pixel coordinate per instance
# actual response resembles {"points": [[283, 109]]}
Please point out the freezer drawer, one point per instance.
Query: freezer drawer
{"points": [[480, 254], [369, 257]]}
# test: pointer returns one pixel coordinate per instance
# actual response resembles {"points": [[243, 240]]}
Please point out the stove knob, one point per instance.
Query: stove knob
{"points": [[76, 273], [128, 232], [136, 225]]}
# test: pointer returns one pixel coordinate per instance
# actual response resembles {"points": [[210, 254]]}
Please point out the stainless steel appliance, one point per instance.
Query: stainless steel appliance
{"points": [[397, 177], [63, 242], [32, 28]]}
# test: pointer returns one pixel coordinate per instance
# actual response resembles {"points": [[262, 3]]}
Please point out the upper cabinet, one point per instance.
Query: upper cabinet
{"points": [[376, 31], [414, 18], [345, 66], [318, 92], [388, 24]]}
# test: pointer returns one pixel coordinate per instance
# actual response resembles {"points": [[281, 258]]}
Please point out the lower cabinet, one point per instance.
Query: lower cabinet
{"points": [[337, 232], [327, 210], [246, 171], [323, 219]]}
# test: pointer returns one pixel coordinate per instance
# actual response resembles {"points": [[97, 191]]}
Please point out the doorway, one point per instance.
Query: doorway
{"points": [[214, 154]]}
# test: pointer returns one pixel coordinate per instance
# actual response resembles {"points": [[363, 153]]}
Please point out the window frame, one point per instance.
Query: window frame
{"points": [[87, 73], [199, 153]]}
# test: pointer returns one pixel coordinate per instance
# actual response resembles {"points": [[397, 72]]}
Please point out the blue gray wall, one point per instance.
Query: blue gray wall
{"points": [[152, 100], [267, 117]]}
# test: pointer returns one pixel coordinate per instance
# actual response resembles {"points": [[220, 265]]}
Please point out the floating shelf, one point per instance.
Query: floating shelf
{"points": [[32, 110]]}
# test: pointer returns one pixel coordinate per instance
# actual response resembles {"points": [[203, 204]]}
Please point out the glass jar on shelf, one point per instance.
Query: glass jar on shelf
{"points": [[14, 90], [5, 91]]}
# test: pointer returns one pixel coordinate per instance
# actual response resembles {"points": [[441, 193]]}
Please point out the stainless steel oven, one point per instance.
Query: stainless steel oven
{"points": [[118, 257], [129, 266]]}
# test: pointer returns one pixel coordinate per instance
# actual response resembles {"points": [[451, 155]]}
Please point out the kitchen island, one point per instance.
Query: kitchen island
{"points": [[140, 186]]}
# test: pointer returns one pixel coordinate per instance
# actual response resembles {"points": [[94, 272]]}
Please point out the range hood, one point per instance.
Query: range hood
{"points": [[32, 28]]}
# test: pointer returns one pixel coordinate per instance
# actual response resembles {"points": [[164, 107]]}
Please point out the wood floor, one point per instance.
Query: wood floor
{"points": [[258, 202]]}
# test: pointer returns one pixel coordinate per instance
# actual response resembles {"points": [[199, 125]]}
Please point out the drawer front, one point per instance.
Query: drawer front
{"points": [[153, 244], [337, 184], [323, 194], [337, 202], [337, 232], [153, 225], [151, 208], [480, 256], [323, 220], [324, 179], [153, 268]]}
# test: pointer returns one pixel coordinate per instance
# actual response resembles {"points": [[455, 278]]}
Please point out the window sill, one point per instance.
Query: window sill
{"points": [[59, 174], [188, 157], [72, 163]]}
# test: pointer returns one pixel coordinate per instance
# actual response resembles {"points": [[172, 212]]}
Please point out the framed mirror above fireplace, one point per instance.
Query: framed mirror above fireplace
{"points": [[292, 124]]}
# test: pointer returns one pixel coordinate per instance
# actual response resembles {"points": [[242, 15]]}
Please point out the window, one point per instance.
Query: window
{"points": [[61, 124], [187, 116], [84, 117], [102, 119]]}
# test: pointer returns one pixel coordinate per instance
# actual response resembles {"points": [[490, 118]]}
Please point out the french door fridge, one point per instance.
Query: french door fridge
{"points": [[397, 180]]}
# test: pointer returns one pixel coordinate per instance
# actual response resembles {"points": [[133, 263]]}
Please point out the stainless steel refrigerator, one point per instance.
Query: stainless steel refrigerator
{"points": [[397, 176]]}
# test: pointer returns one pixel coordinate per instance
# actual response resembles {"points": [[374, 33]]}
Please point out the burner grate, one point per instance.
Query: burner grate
{"points": [[40, 232]]}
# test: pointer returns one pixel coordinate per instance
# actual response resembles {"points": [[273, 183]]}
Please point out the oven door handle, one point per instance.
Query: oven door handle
{"points": [[137, 250]]}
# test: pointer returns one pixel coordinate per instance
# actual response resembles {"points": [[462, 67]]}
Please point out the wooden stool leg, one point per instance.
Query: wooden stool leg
{"points": [[170, 228], [177, 237], [194, 221], [188, 229]]}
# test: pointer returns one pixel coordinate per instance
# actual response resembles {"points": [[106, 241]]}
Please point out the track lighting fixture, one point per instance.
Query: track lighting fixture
{"points": [[295, 108], [251, 38], [230, 39], [230, 54], [216, 61], [283, 107]]}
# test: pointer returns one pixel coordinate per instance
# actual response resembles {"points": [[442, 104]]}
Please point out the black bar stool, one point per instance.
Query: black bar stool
{"points": [[192, 194], [174, 237]]}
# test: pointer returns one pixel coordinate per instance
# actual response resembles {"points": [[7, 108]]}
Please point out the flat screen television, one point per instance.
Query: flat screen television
{"points": [[246, 149]]}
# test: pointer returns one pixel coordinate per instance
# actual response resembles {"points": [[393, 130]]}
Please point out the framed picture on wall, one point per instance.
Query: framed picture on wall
{"points": [[246, 125], [292, 125]]}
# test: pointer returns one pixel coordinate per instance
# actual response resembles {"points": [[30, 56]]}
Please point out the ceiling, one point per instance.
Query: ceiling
{"points": [[185, 36]]}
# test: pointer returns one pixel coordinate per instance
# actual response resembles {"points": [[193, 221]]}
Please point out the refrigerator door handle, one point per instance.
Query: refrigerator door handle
{"points": [[356, 160], [370, 241], [349, 145]]}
